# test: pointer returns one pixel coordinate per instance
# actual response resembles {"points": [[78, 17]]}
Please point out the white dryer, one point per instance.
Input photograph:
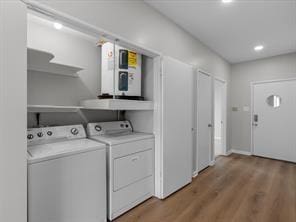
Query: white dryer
{"points": [[66, 176], [130, 161]]}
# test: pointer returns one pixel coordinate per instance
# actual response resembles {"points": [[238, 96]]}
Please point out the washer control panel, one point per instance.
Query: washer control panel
{"points": [[35, 135], [103, 128]]}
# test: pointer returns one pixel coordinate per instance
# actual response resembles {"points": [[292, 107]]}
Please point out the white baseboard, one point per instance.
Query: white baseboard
{"points": [[228, 152], [241, 152], [194, 174], [212, 163]]}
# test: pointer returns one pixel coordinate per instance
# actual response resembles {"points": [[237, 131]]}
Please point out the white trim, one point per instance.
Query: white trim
{"points": [[158, 125], [247, 153], [195, 104], [194, 174], [251, 116], [224, 117], [212, 151], [252, 84], [213, 162], [273, 80], [228, 152], [224, 138], [204, 72], [220, 79]]}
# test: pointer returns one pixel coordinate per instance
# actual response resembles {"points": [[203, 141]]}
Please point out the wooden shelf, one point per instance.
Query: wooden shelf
{"points": [[41, 61], [117, 104], [50, 108]]}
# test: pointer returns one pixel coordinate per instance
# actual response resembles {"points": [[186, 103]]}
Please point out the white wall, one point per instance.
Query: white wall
{"points": [[142, 121], [13, 149], [72, 48], [242, 74], [139, 23]]}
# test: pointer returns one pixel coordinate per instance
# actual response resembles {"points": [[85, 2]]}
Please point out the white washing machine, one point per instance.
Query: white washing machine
{"points": [[130, 158], [66, 176]]}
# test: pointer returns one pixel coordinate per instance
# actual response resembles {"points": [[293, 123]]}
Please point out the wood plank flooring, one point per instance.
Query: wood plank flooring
{"points": [[237, 189]]}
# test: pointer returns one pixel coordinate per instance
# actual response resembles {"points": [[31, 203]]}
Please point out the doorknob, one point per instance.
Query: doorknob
{"points": [[255, 122], [210, 125]]}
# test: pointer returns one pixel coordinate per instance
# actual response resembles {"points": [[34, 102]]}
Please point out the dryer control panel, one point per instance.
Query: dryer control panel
{"points": [[104, 128]]}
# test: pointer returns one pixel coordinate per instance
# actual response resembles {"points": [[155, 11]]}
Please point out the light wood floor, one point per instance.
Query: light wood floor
{"points": [[237, 189]]}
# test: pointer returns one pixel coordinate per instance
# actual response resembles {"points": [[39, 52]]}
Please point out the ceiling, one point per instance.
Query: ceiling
{"points": [[232, 30]]}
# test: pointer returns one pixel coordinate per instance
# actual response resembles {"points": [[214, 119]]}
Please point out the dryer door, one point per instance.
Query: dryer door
{"points": [[132, 168]]}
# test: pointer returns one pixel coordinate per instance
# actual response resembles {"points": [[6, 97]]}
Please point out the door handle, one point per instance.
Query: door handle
{"points": [[210, 125], [255, 118], [135, 159]]}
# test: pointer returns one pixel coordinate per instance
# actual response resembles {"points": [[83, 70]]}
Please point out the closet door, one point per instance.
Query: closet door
{"points": [[177, 117], [204, 120]]}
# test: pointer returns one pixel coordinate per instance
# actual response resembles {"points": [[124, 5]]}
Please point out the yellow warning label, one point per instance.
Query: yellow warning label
{"points": [[132, 59]]}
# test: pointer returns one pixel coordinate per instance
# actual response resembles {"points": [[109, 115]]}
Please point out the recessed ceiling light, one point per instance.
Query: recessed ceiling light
{"points": [[258, 48], [57, 25], [226, 1]]}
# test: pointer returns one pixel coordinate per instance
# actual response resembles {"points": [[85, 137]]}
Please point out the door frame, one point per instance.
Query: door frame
{"points": [[224, 117], [211, 159], [252, 84]]}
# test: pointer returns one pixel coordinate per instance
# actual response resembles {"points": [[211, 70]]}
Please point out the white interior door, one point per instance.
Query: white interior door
{"points": [[204, 120], [274, 122], [219, 117], [177, 125]]}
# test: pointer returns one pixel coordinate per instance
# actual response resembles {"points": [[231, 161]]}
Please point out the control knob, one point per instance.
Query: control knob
{"points": [[49, 133], [98, 128], [74, 131], [30, 136], [40, 134]]}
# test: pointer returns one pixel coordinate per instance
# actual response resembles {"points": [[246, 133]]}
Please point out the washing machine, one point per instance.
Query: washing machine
{"points": [[130, 164], [66, 176]]}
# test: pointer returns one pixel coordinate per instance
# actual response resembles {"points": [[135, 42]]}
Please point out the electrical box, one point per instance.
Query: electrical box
{"points": [[121, 72]]}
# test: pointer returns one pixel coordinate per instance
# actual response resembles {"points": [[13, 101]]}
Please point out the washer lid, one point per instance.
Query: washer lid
{"points": [[118, 138], [59, 149]]}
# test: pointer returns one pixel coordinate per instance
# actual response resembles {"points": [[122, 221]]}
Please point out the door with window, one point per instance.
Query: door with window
{"points": [[274, 122]]}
